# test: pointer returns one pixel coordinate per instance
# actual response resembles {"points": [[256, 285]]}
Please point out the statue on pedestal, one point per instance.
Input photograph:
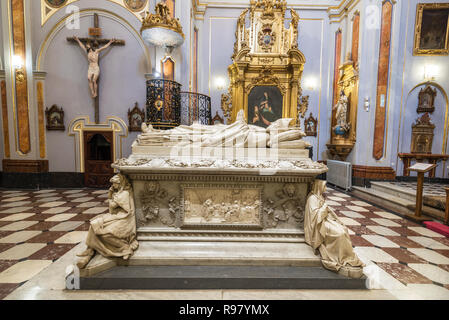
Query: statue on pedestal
{"points": [[341, 115], [327, 234], [113, 234]]}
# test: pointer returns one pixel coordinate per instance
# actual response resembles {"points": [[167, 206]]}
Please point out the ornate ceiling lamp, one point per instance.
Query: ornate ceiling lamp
{"points": [[161, 30]]}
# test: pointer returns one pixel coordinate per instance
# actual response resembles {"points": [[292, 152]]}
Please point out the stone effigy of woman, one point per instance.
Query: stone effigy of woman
{"points": [[325, 233], [113, 234]]}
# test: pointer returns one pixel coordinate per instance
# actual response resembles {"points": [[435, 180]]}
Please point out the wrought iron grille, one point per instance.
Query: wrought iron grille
{"points": [[163, 103], [195, 107]]}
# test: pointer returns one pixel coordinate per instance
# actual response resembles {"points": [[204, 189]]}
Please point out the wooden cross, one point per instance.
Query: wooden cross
{"points": [[95, 38]]}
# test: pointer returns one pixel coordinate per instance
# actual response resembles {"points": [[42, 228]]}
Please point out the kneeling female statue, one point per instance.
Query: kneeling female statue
{"points": [[113, 234], [327, 234]]}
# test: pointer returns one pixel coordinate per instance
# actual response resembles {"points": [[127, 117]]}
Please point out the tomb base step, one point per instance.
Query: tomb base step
{"points": [[218, 277]]}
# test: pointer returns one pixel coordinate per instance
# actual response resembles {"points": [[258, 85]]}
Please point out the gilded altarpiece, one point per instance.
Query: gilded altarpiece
{"points": [[266, 55], [344, 113]]}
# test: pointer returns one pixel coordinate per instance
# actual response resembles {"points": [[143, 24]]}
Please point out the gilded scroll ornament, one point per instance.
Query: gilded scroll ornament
{"points": [[226, 106]]}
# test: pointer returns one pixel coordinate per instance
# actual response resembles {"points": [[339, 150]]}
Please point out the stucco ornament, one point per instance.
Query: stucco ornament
{"points": [[325, 233], [113, 235]]}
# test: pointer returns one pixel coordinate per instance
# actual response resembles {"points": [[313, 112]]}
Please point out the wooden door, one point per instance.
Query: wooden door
{"points": [[98, 158]]}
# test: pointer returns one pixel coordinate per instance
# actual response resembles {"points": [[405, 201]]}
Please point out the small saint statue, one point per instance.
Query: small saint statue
{"points": [[93, 51], [342, 114]]}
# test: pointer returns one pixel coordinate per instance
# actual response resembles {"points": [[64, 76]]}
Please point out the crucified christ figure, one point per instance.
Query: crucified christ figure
{"points": [[93, 54]]}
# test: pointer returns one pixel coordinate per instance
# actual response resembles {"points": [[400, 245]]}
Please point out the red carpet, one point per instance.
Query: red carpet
{"points": [[437, 227]]}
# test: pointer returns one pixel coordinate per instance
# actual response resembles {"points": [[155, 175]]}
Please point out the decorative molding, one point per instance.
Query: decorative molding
{"points": [[25, 166], [219, 178], [377, 173]]}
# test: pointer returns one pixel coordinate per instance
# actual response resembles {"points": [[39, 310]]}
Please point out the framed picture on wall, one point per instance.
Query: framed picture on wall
{"points": [[264, 105], [432, 29], [136, 117], [55, 118]]}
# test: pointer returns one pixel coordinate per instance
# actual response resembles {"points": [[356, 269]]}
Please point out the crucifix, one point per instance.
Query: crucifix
{"points": [[92, 48]]}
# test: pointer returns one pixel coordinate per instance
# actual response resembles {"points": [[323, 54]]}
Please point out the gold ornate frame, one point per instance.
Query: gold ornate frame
{"points": [[253, 65], [419, 15]]}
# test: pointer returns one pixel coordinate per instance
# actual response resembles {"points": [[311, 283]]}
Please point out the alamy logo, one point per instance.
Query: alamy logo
{"points": [[73, 22], [372, 20], [72, 278]]}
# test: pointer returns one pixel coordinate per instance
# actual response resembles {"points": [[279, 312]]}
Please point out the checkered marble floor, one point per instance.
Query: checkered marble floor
{"points": [[430, 189], [37, 228]]}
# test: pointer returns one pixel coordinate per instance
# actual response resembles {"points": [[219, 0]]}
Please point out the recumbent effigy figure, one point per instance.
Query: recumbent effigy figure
{"points": [[327, 234], [280, 134], [113, 234]]}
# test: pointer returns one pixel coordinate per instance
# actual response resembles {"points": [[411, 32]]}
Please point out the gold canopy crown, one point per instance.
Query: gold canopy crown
{"points": [[161, 19]]}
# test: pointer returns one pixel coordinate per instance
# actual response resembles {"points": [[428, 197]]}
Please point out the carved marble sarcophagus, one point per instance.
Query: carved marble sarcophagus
{"points": [[219, 195]]}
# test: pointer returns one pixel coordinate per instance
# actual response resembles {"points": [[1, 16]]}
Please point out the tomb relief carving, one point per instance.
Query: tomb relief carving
{"points": [[222, 206], [287, 208], [154, 198]]}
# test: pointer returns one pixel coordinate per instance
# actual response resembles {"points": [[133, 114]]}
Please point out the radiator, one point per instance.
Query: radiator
{"points": [[340, 174]]}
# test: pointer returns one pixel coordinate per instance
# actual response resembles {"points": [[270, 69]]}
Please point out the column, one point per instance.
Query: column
{"points": [[382, 79], [21, 119]]}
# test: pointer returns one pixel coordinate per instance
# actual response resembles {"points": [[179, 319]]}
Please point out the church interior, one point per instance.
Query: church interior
{"points": [[224, 150]]}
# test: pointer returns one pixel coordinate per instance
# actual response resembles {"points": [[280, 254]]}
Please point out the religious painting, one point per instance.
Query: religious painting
{"points": [[310, 125], [426, 100], [432, 29], [221, 207], [264, 105], [135, 5], [217, 119], [55, 118], [136, 117], [56, 3]]}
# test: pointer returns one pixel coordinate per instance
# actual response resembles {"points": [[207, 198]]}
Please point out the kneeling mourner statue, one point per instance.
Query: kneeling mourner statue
{"points": [[327, 234], [113, 234]]}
